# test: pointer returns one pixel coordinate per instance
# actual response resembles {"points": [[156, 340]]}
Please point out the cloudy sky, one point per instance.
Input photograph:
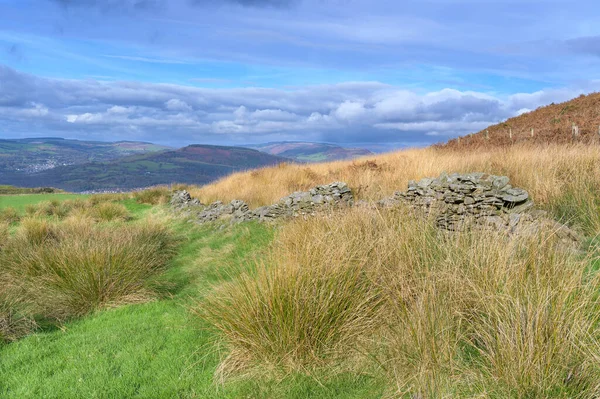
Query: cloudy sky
{"points": [[378, 73]]}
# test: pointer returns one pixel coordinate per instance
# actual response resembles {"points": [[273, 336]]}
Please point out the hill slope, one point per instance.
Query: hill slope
{"points": [[36, 154], [197, 164], [310, 152], [551, 124]]}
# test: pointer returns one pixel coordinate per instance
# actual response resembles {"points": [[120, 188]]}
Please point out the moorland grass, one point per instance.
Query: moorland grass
{"points": [[72, 268], [442, 316], [564, 179], [159, 349], [359, 304], [20, 202]]}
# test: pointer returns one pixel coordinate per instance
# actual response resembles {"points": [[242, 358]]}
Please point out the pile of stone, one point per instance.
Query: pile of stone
{"points": [[461, 201], [302, 203], [454, 199]]}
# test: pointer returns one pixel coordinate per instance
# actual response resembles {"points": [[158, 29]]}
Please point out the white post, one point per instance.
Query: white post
{"points": [[532, 132], [487, 134], [510, 132]]}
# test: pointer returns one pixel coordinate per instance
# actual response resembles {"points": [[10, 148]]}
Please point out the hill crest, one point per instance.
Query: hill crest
{"points": [[576, 120]]}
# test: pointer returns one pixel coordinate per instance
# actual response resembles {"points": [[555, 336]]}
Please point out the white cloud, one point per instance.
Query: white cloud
{"points": [[347, 112], [176, 104]]}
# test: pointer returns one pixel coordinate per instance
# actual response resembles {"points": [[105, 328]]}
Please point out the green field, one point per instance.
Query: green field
{"points": [[19, 202], [158, 349]]}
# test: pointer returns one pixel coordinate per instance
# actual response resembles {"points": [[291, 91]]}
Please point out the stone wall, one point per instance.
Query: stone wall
{"points": [[301, 203], [476, 197], [457, 201]]}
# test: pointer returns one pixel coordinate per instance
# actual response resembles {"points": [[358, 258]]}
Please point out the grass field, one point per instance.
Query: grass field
{"points": [[364, 304], [20, 202], [158, 349]]}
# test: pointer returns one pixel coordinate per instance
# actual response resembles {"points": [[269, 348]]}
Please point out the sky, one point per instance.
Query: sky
{"points": [[379, 74]]}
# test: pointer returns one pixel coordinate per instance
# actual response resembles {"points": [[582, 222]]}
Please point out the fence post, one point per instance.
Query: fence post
{"points": [[575, 130], [510, 132], [532, 132], [487, 134]]}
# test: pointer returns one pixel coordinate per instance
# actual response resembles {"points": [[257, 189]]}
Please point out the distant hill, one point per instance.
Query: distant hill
{"points": [[310, 152], [551, 124], [195, 164], [37, 154]]}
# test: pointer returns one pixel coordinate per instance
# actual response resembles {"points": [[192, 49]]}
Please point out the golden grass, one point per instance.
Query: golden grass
{"points": [[547, 171], [470, 315], [68, 269]]}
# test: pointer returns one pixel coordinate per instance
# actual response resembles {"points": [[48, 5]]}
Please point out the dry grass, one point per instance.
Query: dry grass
{"points": [[100, 207], [558, 177], [159, 195], [477, 314], [68, 269], [9, 215]]}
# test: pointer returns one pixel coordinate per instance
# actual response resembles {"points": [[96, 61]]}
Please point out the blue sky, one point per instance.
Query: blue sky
{"points": [[372, 73]]}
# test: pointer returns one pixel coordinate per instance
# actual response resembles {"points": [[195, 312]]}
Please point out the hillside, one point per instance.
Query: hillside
{"points": [[33, 155], [551, 124], [195, 164], [310, 152], [139, 302]]}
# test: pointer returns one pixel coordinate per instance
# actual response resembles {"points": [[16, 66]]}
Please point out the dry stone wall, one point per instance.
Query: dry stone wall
{"points": [[457, 201], [476, 197], [320, 198]]}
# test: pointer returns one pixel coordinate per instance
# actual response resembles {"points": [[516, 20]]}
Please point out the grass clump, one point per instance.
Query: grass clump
{"points": [[109, 211], [9, 215], [439, 315], [72, 268], [153, 196]]}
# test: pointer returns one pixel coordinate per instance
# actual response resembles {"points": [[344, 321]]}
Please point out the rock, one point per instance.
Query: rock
{"points": [[180, 198], [500, 182], [515, 195], [300, 203]]}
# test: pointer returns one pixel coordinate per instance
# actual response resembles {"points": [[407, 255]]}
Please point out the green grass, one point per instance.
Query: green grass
{"points": [[19, 202], [157, 349]]}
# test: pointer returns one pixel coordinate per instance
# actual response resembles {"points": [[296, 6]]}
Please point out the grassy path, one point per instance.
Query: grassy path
{"points": [[158, 349]]}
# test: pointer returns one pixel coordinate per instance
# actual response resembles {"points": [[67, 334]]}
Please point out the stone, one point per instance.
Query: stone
{"points": [[500, 182], [515, 195]]}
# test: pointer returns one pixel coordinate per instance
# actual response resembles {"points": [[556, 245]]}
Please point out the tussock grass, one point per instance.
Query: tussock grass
{"points": [[9, 215], [558, 177], [159, 195], [69, 269], [475, 314], [100, 207], [109, 211]]}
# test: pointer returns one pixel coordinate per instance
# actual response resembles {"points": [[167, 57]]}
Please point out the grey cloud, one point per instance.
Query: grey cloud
{"points": [[345, 113], [584, 45]]}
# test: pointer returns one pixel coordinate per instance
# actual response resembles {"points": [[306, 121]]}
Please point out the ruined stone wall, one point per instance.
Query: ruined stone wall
{"points": [[457, 201], [302, 203], [476, 197]]}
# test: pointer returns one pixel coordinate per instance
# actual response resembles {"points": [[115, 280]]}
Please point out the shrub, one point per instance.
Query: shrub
{"points": [[85, 267]]}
